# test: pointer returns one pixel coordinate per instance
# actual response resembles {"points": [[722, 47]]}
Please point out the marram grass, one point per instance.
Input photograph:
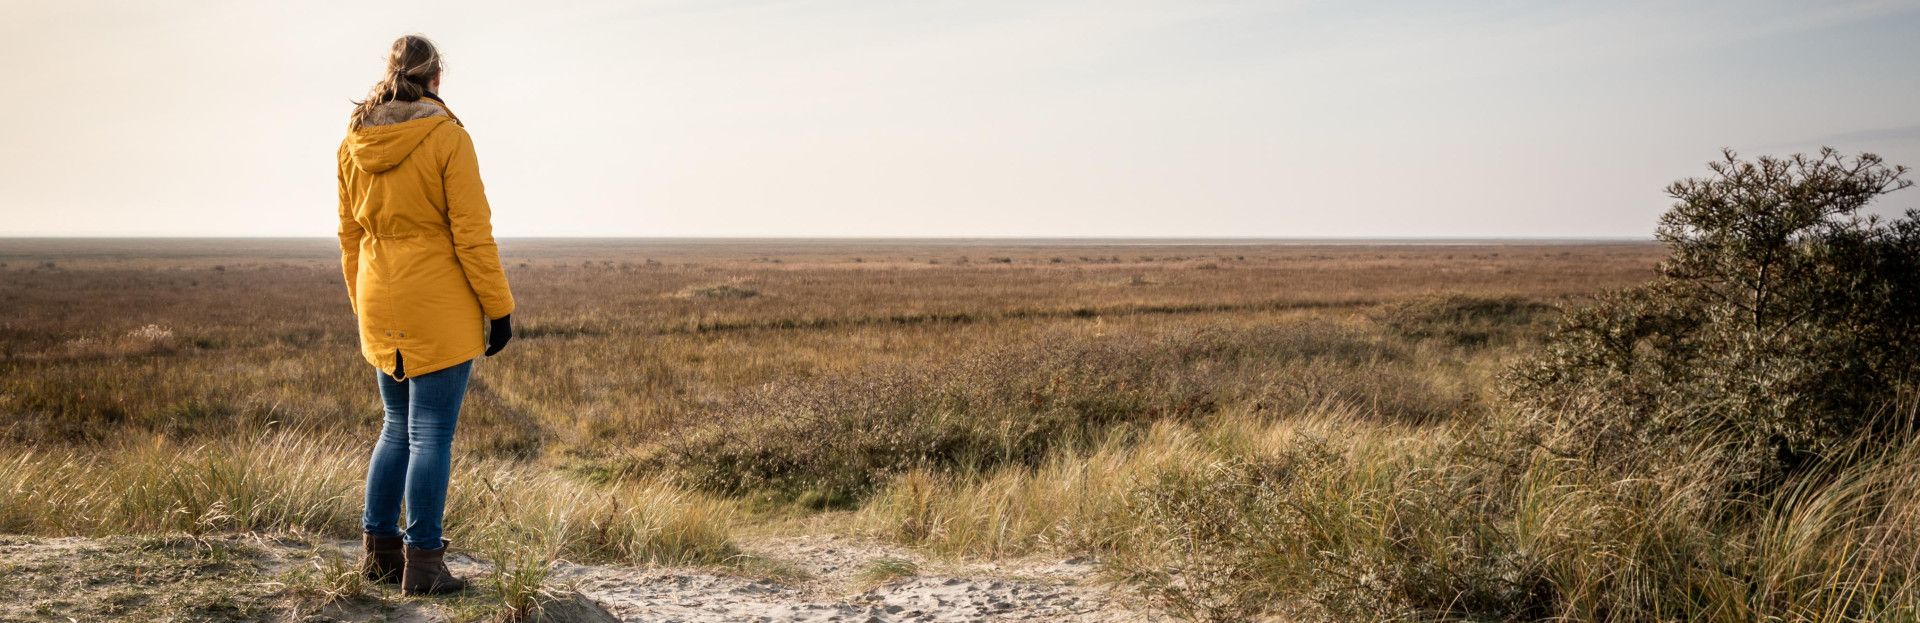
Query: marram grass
{"points": [[283, 482]]}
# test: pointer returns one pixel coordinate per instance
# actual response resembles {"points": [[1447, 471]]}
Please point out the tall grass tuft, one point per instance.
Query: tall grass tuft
{"points": [[293, 483], [279, 482]]}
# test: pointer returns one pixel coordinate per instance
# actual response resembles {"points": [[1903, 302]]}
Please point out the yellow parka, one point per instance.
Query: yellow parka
{"points": [[416, 239]]}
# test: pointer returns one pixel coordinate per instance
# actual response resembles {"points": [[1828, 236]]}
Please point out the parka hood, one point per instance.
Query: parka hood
{"points": [[392, 132]]}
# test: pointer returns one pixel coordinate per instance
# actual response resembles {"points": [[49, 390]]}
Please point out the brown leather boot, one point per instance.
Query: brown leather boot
{"points": [[426, 572], [384, 558]]}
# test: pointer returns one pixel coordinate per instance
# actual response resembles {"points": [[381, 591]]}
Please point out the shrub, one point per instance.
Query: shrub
{"points": [[1783, 324]]}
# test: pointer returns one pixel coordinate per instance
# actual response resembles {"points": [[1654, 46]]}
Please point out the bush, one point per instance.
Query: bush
{"points": [[1783, 324]]}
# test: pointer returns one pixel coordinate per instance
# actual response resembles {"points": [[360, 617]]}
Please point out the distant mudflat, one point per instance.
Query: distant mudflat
{"points": [[81, 252]]}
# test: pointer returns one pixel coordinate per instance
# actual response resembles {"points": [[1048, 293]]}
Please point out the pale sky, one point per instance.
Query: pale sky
{"points": [[925, 118]]}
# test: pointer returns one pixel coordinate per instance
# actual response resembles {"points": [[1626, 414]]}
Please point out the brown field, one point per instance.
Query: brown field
{"points": [[623, 341], [969, 399]]}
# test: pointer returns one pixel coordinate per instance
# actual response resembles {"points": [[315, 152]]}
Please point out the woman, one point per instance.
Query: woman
{"points": [[424, 277]]}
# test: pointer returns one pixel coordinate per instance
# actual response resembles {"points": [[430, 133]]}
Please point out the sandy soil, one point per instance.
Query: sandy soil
{"points": [[260, 578], [843, 588]]}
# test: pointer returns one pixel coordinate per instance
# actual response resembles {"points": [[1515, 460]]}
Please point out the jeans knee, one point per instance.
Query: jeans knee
{"points": [[394, 434], [424, 442]]}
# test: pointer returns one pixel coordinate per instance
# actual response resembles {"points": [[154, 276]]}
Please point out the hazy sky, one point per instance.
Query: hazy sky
{"points": [[968, 118]]}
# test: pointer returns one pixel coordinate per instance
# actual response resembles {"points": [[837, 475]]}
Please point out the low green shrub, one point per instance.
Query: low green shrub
{"points": [[1785, 323]]}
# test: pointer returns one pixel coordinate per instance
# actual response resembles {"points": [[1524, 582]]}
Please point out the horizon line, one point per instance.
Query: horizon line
{"points": [[5, 236]]}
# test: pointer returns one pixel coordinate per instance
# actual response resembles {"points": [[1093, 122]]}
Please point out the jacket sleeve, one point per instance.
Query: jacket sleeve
{"points": [[471, 221], [350, 235]]}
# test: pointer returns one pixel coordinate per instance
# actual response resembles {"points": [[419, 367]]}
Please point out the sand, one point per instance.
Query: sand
{"points": [[1025, 590], [803, 578]]}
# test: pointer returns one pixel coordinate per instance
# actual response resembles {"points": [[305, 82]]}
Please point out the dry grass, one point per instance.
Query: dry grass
{"points": [[287, 483], [1333, 516], [827, 440], [261, 333], [971, 398]]}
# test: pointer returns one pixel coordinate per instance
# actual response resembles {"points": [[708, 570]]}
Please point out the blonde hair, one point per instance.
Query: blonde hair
{"points": [[412, 64]]}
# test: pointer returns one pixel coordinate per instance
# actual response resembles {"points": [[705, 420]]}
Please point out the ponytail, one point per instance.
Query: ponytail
{"points": [[412, 64]]}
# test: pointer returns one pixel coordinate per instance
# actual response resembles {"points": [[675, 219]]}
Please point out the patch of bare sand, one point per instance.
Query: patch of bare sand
{"points": [[794, 578], [843, 585]]}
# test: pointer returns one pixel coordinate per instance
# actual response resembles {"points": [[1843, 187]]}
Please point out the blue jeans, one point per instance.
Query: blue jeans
{"points": [[411, 462]]}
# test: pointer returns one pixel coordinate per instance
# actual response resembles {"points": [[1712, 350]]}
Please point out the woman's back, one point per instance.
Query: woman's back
{"points": [[416, 241]]}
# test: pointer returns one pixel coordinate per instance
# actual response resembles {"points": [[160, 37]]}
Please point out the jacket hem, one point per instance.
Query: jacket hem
{"points": [[431, 367]]}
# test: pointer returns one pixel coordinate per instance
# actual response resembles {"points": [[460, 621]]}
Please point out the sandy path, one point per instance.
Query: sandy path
{"points": [[1057, 590], [244, 577]]}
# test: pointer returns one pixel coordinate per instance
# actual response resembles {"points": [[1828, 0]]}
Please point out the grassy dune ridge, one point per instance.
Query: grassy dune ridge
{"points": [[1236, 430]]}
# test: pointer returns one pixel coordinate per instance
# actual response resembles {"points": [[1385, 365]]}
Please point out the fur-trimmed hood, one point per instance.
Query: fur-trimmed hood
{"points": [[395, 111], [392, 131]]}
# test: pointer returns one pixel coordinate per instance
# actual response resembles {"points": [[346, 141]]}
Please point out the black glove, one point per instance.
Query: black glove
{"points": [[498, 332]]}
